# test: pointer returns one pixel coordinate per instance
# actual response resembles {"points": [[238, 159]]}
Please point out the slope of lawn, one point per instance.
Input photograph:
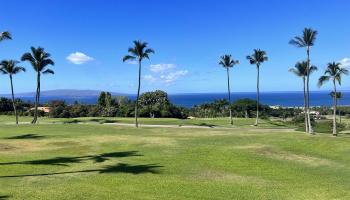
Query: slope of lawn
{"points": [[95, 161]]}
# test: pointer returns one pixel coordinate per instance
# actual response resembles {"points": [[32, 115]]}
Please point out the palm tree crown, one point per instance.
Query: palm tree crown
{"points": [[39, 59], [139, 51], [339, 95], [334, 71], [227, 61], [258, 57], [300, 69], [306, 40], [5, 36], [10, 67]]}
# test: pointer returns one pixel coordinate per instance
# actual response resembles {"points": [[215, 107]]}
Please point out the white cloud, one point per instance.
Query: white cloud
{"points": [[162, 68], [149, 78], [164, 74], [345, 62], [79, 58], [132, 62], [173, 76]]}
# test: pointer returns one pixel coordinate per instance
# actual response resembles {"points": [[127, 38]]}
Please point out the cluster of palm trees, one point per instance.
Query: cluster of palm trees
{"points": [[38, 58], [257, 58], [304, 69]]}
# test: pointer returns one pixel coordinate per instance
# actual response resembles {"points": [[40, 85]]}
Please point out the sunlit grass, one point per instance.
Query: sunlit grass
{"points": [[94, 161]]}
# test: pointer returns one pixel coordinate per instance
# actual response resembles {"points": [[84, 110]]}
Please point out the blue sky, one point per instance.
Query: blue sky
{"points": [[188, 37]]}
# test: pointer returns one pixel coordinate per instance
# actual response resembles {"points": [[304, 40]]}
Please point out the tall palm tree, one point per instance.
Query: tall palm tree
{"points": [[334, 73], [39, 59], [10, 67], [138, 52], [300, 70], [227, 62], [307, 40], [257, 58]]}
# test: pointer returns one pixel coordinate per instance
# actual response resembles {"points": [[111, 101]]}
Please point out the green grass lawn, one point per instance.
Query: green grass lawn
{"points": [[205, 122], [96, 161]]}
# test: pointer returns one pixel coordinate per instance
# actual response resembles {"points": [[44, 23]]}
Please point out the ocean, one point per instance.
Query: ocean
{"points": [[286, 99]]}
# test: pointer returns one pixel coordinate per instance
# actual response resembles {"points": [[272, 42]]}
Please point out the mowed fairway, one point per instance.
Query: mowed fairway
{"points": [[99, 161]]}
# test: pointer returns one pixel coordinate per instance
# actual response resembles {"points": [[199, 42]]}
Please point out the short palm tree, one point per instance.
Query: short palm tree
{"points": [[39, 59], [257, 58], [227, 62], [307, 40], [5, 36], [300, 70], [333, 73], [138, 52], [10, 68]]}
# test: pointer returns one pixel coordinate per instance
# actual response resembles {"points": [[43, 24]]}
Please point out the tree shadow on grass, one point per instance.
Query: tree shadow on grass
{"points": [[118, 168], [2, 197], [65, 161], [277, 123], [95, 120], [26, 136], [206, 124], [73, 121]]}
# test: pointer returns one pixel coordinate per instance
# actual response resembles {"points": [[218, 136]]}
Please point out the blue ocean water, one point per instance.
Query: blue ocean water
{"points": [[286, 99]]}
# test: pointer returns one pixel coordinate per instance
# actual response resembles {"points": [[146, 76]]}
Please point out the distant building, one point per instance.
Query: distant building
{"points": [[43, 109], [275, 107], [314, 114]]}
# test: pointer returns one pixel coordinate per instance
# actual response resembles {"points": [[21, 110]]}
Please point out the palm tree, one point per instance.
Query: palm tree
{"points": [[138, 52], [227, 62], [300, 70], [39, 59], [334, 73], [257, 58], [307, 40], [10, 67], [339, 96], [5, 36]]}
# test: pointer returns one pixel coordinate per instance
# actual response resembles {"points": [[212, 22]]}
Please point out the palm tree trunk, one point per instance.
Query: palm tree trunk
{"points": [[229, 95], [308, 92], [305, 110], [13, 100], [335, 110], [137, 98], [257, 97], [36, 100]]}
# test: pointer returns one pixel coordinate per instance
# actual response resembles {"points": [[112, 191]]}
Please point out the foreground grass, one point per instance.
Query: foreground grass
{"points": [[93, 161]]}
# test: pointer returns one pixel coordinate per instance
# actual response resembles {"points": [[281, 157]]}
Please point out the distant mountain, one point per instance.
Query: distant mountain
{"points": [[70, 93]]}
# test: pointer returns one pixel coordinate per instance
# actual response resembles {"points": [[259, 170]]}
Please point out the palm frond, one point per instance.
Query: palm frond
{"points": [[18, 69], [128, 57], [322, 80], [48, 71], [5, 36], [312, 69], [47, 62], [3, 71], [298, 42], [149, 51], [27, 57]]}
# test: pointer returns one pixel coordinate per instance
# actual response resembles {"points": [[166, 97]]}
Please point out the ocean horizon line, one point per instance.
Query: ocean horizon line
{"points": [[175, 93]]}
